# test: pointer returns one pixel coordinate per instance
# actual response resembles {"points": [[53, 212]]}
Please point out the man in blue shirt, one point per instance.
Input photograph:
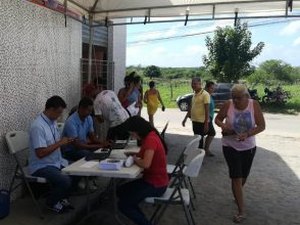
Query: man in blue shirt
{"points": [[45, 159], [210, 87], [80, 127]]}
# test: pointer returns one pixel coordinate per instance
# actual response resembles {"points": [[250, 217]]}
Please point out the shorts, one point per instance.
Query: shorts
{"points": [[239, 162], [198, 128]]}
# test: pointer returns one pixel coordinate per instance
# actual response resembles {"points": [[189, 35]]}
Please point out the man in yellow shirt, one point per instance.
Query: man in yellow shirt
{"points": [[199, 110]]}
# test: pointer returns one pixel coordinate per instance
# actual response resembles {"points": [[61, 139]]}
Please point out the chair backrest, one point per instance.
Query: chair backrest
{"points": [[191, 155], [60, 127], [193, 168], [193, 144], [17, 141], [163, 132]]}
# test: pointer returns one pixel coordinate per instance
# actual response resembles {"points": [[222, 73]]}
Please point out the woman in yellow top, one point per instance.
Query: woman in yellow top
{"points": [[152, 99]]}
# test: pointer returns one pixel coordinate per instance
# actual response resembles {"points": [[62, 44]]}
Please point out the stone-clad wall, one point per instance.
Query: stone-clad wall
{"points": [[39, 57]]}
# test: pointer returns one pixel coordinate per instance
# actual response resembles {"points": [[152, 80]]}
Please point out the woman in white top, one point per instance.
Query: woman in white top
{"points": [[240, 119]]}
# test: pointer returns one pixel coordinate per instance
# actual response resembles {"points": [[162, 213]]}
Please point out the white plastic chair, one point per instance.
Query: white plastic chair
{"points": [[176, 194], [184, 159], [17, 142], [193, 144]]}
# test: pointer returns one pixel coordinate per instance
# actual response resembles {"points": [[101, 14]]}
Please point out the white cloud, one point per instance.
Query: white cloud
{"points": [[292, 28], [193, 50], [296, 41], [159, 51]]}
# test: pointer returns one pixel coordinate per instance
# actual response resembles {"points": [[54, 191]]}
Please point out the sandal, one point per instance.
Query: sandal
{"points": [[238, 218]]}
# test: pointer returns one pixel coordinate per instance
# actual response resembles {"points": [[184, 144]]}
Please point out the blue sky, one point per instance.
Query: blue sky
{"points": [[281, 38]]}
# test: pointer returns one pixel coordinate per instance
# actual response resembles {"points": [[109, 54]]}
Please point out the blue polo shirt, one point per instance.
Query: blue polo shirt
{"points": [[77, 128], [44, 132], [211, 107]]}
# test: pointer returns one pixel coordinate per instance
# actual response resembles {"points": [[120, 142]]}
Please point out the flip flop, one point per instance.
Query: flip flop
{"points": [[238, 218]]}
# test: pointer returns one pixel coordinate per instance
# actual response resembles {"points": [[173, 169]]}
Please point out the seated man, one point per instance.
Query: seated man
{"points": [[80, 127], [45, 159]]}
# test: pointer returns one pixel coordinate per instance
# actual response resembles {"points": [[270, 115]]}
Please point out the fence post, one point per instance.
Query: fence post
{"points": [[171, 87]]}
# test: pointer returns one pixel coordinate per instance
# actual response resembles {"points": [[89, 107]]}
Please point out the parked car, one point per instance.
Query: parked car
{"points": [[220, 95]]}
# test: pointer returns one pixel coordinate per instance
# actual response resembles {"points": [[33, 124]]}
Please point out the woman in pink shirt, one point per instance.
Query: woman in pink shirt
{"points": [[240, 119]]}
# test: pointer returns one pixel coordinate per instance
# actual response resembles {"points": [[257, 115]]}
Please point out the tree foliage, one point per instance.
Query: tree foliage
{"points": [[152, 71], [230, 53], [279, 70]]}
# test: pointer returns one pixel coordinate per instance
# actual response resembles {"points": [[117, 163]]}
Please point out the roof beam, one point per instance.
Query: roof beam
{"points": [[80, 6], [100, 23], [185, 5]]}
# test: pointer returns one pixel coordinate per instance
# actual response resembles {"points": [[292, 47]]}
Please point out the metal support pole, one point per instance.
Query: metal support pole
{"points": [[91, 35]]}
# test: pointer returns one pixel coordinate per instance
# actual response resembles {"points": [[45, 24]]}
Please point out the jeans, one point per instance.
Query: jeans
{"points": [[131, 194], [60, 183]]}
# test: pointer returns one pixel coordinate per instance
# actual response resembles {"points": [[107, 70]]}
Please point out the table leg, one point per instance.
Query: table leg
{"points": [[87, 190], [115, 202]]}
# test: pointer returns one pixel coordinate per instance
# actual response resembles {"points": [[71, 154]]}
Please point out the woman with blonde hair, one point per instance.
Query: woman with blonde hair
{"points": [[240, 119]]}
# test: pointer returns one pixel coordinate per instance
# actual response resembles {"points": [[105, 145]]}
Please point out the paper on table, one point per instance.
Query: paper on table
{"points": [[89, 164], [111, 164]]}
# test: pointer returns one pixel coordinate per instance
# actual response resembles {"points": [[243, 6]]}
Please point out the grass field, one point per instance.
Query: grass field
{"points": [[171, 89]]}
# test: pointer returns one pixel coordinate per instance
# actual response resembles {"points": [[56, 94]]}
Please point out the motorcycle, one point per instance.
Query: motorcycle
{"points": [[278, 96], [253, 94]]}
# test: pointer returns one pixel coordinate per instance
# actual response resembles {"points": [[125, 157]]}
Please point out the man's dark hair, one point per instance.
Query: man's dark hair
{"points": [[55, 102], [85, 102], [142, 128], [137, 79], [209, 84], [128, 79], [151, 84]]}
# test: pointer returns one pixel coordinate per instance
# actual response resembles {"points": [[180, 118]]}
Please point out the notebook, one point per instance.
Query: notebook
{"points": [[103, 154]]}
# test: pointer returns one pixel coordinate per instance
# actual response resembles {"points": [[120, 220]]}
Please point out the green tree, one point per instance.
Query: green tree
{"points": [[152, 71], [230, 54], [279, 70]]}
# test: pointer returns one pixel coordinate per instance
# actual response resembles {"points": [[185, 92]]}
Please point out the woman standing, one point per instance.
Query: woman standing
{"points": [[152, 158], [152, 99], [243, 119]]}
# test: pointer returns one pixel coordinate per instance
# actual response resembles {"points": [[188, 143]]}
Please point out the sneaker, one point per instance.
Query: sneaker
{"points": [[58, 208], [65, 202]]}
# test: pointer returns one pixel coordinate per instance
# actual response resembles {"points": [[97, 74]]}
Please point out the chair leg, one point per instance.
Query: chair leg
{"points": [[153, 217], [33, 198], [186, 213], [191, 215], [192, 204], [192, 187]]}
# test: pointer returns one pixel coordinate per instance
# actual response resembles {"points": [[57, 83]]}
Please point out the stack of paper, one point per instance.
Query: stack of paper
{"points": [[111, 164]]}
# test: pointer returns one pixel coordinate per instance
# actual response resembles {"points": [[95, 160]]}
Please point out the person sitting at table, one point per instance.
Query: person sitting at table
{"points": [[45, 159], [80, 127], [152, 158]]}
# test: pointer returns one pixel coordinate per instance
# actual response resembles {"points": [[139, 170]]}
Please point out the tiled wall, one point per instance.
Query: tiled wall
{"points": [[39, 57]]}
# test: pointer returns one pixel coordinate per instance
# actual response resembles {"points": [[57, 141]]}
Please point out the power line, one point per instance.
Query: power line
{"points": [[142, 42]]}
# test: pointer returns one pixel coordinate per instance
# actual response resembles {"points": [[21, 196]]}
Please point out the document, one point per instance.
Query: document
{"points": [[111, 164], [89, 164]]}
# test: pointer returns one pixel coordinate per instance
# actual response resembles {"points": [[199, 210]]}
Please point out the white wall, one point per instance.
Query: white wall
{"points": [[117, 53], [39, 57]]}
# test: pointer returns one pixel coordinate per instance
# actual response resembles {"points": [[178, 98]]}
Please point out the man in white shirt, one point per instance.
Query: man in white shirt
{"points": [[108, 107]]}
